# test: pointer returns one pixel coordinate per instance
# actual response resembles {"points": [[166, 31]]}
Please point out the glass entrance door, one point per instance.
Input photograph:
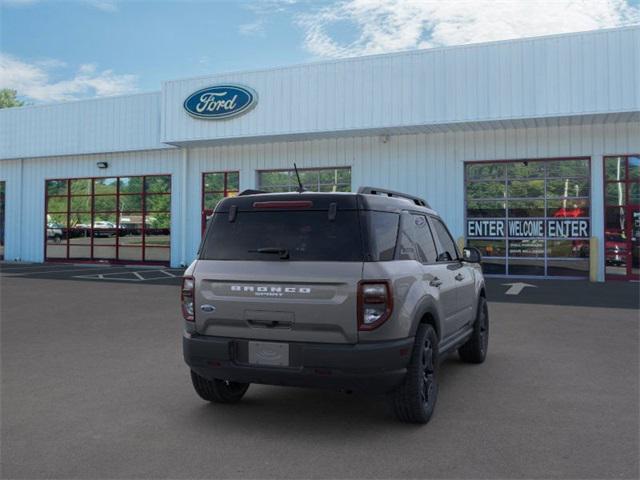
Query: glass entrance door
{"points": [[622, 217]]}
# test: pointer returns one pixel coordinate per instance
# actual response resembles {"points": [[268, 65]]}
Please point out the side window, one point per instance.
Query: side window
{"points": [[383, 235], [449, 251], [406, 241], [424, 239], [415, 240]]}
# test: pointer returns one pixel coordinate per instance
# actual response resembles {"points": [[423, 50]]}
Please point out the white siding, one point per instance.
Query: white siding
{"points": [[548, 77], [429, 165], [25, 206], [115, 124]]}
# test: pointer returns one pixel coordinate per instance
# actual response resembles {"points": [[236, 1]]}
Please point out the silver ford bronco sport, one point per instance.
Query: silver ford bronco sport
{"points": [[358, 291]]}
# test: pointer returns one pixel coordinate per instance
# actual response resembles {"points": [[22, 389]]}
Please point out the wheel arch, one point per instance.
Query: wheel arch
{"points": [[427, 314]]}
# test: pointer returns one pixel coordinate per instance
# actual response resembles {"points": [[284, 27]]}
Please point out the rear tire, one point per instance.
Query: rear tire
{"points": [[475, 349], [218, 391], [415, 400]]}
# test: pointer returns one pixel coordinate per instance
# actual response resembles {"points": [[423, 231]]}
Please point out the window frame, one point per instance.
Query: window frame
{"points": [[302, 170], [506, 178], [627, 207], [117, 230], [203, 193], [439, 247]]}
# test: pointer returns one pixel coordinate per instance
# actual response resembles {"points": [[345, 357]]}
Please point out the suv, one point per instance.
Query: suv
{"points": [[353, 291]]}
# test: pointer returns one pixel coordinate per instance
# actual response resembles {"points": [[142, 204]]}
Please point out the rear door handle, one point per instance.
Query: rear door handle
{"points": [[459, 277], [436, 282]]}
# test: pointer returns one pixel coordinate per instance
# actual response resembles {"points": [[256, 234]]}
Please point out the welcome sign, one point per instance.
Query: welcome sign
{"points": [[220, 102], [525, 228]]}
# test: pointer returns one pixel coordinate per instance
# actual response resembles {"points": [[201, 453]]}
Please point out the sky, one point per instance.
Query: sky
{"points": [[55, 50]]}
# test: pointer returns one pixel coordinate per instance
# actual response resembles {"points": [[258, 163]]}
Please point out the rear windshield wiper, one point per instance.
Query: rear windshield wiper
{"points": [[283, 252]]}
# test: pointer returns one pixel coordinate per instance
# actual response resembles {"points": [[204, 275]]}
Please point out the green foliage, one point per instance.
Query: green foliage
{"points": [[8, 98]]}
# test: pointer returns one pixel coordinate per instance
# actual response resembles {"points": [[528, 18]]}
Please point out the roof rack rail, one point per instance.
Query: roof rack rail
{"points": [[250, 192], [390, 193]]}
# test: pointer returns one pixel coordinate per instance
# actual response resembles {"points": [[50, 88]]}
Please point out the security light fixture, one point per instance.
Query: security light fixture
{"points": [[102, 165]]}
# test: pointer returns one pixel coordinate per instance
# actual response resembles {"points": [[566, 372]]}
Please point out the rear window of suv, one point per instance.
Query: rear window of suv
{"points": [[305, 235]]}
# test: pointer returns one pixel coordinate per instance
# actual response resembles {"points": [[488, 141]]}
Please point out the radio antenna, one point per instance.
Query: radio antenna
{"points": [[300, 186]]}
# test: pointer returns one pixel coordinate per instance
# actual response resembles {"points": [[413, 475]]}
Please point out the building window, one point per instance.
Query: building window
{"points": [[531, 217], [124, 219], [2, 187], [215, 187], [622, 217], [314, 180]]}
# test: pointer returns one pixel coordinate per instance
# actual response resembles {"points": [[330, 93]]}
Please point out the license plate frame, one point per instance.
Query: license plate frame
{"points": [[270, 354]]}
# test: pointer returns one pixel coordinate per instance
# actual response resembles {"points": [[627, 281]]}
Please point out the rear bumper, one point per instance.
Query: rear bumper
{"points": [[365, 367]]}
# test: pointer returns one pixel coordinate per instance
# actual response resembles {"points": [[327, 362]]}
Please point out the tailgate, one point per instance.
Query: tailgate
{"points": [[278, 301]]}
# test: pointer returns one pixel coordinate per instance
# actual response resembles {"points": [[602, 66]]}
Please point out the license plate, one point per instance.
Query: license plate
{"points": [[269, 353]]}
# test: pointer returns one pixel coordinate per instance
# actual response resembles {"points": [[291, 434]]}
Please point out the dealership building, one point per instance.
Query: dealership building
{"points": [[529, 149]]}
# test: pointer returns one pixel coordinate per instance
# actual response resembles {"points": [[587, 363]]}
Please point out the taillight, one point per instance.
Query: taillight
{"points": [[186, 298], [375, 303]]}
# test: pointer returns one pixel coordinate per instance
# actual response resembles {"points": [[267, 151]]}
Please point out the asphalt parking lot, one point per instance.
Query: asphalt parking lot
{"points": [[94, 386]]}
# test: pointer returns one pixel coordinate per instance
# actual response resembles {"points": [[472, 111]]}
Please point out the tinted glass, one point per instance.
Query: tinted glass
{"points": [[130, 203], [489, 248], [526, 248], [314, 180], [568, 168], [305, 235], [570, 208], [574, 187], [615, 193], [519, 266], [634, 168], [426, 245], [130, 185], [103, 225], [485, 190], [233, 181], [383, 233], [105, 186], [158, 203], [485, 171], [158, 184], [485, 208], [214, 182], [81, 186], [446, 242], [526, 169], [526, 188], [57, 204], [407, 249], [614, 168], [526, 208], [56, 187], [417, 242], [568, 248]]}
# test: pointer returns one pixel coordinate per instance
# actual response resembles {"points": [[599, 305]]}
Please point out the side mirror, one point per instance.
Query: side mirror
{"points": [[471, 255]]}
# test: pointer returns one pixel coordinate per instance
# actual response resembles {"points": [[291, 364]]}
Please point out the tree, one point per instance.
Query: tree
{"points": [[8, 98]]}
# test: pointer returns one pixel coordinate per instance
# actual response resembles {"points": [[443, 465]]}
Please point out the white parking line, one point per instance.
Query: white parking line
{"points": [[137, 276], [31, 272]]}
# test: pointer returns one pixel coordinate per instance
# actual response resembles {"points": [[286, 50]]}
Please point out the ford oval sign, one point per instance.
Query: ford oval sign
{"points": [[220, 101]]}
